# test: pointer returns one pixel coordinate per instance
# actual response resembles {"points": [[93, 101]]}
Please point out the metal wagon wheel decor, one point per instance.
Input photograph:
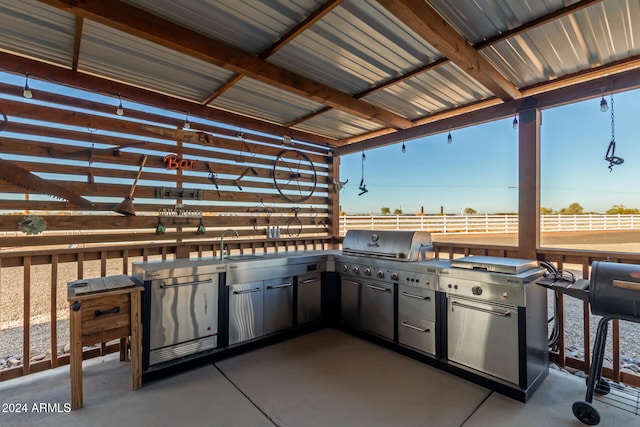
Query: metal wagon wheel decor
{"points": [[294, 175]]}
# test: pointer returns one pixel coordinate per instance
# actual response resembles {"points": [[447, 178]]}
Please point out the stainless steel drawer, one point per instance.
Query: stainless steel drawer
{"points": [[417, 333], [417, 302]]}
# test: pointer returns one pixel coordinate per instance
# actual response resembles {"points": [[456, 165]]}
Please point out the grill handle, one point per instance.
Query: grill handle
{"points": [[484, 310], [623, 284]]}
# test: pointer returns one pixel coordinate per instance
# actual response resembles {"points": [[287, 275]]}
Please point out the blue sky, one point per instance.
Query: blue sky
{"points": [[479, 168]]}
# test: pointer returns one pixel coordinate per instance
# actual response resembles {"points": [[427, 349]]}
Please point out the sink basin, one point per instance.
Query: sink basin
{"points": [[243, 257]]}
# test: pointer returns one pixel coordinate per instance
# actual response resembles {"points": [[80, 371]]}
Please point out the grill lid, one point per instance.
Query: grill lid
{"points": [[494, 264], [388, 244]]}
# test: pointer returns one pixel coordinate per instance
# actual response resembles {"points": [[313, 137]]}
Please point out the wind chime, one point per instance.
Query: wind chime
{"points": [[611, 151], [362, 187]]}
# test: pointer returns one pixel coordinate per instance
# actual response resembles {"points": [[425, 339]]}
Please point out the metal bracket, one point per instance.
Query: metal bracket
{"points": [[179, 193]]}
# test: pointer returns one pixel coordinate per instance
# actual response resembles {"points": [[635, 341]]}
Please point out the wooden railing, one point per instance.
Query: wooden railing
{"points": [[33, 289], [101, 261]]}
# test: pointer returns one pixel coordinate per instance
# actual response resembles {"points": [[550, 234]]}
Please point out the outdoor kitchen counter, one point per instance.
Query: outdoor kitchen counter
{"points": [[211, 265]]}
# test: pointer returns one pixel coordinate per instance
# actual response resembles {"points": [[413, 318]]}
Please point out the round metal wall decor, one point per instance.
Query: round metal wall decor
{"points": [[294, 175]]}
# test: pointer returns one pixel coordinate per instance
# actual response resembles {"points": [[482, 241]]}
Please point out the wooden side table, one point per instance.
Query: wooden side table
{"points": [[101, 310]]}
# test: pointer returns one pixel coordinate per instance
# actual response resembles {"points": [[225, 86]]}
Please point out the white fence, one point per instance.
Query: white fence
{"points": [[486, 223]]}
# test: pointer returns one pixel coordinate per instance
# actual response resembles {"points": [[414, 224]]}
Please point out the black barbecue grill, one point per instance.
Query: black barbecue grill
{"points": [[613, 292]]}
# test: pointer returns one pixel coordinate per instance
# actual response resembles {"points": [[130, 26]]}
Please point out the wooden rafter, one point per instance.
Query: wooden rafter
{"points": [[428, 24], [77, 39], [139, 23]]}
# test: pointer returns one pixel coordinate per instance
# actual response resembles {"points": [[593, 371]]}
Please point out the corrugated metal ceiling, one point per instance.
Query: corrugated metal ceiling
{"points": [[359, 64]]}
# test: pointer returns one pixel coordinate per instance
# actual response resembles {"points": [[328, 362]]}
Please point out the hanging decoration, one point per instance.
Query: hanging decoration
{"points": [[90, 177], [362, 187], [32, 224], [611, 150], [294, 175]]}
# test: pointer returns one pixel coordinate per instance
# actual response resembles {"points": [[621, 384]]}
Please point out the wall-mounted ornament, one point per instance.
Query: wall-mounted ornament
{"points": [[179, 214], [172, 162], [179, 193], [32, 224], [294, 175]]}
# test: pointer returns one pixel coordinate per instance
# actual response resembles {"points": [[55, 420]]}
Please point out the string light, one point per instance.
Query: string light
{"points": [[27, 90], [186, 125], [515, 122], [120, 110], [449, 138], [404, 147], [604, 107]]}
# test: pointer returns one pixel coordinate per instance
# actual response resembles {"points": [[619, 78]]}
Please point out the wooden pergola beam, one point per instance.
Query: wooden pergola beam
{"points": [[147, 26], [428, 24]]}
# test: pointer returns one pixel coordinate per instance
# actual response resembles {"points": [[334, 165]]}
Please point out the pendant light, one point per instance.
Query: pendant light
{"points": [[27, 90], [603, 104], [120, 110]]}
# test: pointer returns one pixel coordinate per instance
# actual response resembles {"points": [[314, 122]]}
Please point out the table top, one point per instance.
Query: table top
{"points": [[88, 288]]}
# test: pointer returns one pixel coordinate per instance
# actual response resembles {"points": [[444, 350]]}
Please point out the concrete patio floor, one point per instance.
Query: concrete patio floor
{"points": [[326, 378]]}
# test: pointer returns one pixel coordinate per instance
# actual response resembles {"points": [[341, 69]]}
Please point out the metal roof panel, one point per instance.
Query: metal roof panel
{"points": [[129, 59], [36, 30], [252, 98], [246, 24], [439, 89], [356, 46], [337, 124]]}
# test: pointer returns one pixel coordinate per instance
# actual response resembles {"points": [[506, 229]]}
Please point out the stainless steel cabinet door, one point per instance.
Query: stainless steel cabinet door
{"points": [[183, 309], [309, 298], [278, 304], [378, 309], [245, 311], [351, 303], [483, 336]]}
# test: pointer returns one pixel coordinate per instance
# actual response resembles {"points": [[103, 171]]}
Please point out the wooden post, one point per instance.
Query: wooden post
{"points": [[75, 355], [529, 180], [334, 200]]}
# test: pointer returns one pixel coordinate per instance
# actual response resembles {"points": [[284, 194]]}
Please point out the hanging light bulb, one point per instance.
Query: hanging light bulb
{"points": [[404, 147], [604, 107], [515, 122], [120, 110], [449, 138], [27, 90], [186, 125]]}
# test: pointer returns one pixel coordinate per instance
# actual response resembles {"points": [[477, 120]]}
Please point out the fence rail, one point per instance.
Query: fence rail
{"points": [[486, 223]]}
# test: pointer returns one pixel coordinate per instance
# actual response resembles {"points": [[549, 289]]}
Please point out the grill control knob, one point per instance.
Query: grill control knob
{"points": [[355, 269], [380, 274], [345, 267], [394, 276], [476, 290], [367, 271]]}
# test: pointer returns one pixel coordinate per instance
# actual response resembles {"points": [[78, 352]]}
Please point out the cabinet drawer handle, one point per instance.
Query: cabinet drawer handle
{"points": [[378, 288], [304, 282], [284, 285], [248, 291], [406, 325], [350, 282], [112, 311], [407, 294], [192, 283]]}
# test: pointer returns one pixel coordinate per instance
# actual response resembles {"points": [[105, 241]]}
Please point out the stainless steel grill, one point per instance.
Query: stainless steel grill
{"points": [[385, 244]]}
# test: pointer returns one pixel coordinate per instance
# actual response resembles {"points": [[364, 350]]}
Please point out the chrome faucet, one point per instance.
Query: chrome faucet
{"points": [[222, 240]]}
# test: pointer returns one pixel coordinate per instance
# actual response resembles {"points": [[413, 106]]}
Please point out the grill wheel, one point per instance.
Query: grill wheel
{"points": [[586, 412]]}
